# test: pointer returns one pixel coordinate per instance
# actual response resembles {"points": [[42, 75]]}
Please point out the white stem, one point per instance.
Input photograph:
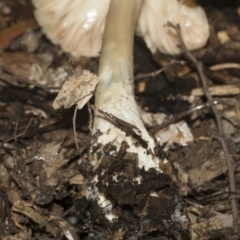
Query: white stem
{"points": [[114, 93]]}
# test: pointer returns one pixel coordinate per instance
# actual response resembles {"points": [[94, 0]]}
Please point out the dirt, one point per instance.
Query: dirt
{"points": [[45, 157]]}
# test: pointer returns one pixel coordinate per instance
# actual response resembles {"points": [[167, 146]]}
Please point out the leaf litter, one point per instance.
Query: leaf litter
{"points": [[44, 179]]}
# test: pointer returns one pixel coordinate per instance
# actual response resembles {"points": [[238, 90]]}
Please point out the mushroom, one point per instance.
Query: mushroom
{"points": [[82, 29], [186, 13], [77, 25]]}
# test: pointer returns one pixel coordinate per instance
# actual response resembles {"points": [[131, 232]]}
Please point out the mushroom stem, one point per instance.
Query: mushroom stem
{"points": [[118, 36], [114, 93]]}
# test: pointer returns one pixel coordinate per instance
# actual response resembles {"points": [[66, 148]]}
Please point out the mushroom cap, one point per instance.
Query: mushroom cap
{"points": [[76, 25], [152, 25]]}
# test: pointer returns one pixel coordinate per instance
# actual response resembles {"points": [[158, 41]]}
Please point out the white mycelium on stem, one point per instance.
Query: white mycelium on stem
{"points": [[114, 93]]}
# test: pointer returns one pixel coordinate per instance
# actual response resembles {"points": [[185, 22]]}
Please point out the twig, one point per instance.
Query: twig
{"points": [[154, 74], [228, 159], [179, 116], [15, 131], [223, 66], [74, 128], [20, 134], [90, 116], [226, 90], [218, 194]]}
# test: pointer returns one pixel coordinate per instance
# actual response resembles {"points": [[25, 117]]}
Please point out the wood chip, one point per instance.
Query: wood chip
{"points": [[225, 90]]}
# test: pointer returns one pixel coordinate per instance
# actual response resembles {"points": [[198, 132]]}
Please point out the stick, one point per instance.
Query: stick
{"points": [[155, 73], [74, 128], [179, 116], [228, 159]]}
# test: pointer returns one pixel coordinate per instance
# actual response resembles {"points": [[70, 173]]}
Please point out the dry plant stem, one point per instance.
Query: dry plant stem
{"points": [[15, 131], [226, 90], [228, 159], [218, 194], [179, 116], [16, 136], [223, 66], [74, 128], [90, 116], [155, 73]]}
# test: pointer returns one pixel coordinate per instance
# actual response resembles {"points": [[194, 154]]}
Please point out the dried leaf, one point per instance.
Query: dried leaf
{"points": [[78, 89], [7, 34], [204, 173], [35, 214], [18, 63]]}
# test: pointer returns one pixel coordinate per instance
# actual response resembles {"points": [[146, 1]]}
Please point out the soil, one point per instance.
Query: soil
{"points": [[45, 157]]}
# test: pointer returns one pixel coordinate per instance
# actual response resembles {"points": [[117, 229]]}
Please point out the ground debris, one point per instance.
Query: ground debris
{"points": [[8, 34], [44, 179], [145, 203]]}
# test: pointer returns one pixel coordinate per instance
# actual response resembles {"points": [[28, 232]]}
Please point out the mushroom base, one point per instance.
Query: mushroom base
{"points": [[120, 120]]}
